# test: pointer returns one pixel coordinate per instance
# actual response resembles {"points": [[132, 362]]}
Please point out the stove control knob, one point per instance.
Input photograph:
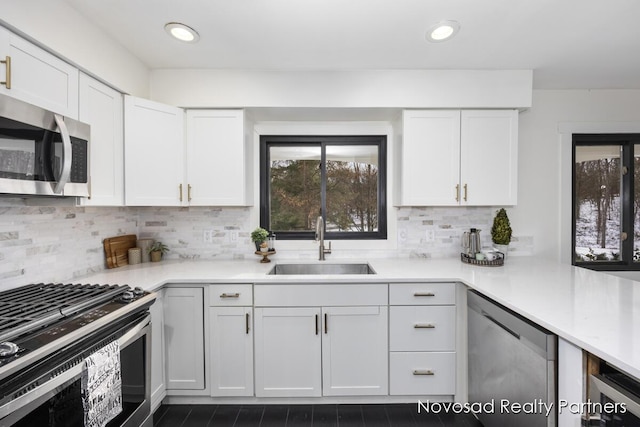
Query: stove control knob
{"points": [[8, 349], [138, 291], [127, 296]]}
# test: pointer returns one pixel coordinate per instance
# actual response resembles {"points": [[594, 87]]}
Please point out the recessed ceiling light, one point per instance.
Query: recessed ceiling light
{"points": [[182, 32], [442, 31]]}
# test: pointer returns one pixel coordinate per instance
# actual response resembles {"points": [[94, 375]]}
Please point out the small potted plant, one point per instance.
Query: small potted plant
{"points": [[501, 231], [259, 237], [157, 250]]}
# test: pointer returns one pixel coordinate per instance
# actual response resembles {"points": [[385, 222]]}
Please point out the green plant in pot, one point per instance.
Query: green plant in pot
{"points": [[157, 250], [259, 236], [501, 231]]}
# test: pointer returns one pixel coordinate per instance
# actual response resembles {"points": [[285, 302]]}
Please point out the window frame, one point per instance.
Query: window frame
{"points": [[627, 142], [267, 141]]}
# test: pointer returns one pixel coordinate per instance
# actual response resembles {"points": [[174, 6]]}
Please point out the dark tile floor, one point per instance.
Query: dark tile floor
{"points": [[305, 415]]}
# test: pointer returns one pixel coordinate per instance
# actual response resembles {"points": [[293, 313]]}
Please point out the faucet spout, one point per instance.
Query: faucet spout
{"points": [[320, 237]]}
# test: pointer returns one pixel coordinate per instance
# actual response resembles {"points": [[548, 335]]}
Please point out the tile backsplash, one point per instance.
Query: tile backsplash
{"points": [[53, 240]]}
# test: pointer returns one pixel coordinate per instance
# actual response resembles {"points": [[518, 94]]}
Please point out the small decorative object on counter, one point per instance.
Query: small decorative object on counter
{"points": [[144, 245], [258, 236], [272, 242], [485, 259], [157, 250], [501, 232], [135, 256]]}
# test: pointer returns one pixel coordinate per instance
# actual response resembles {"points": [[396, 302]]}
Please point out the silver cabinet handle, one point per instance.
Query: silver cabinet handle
{"points": [[423, 372], [225, 295], [188, 192], [424, 294], [424, 326], [7, 66], [65, 173], [180, 189]]}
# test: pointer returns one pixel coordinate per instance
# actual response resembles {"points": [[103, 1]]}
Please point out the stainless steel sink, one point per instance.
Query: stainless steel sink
{"points": [[322, 268]]}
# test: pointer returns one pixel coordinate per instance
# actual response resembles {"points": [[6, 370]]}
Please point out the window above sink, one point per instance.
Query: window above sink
{"points": [[341, 178]]}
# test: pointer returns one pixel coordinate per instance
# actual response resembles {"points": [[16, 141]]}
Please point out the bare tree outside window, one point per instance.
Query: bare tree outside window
{"points": [[597, 197]]}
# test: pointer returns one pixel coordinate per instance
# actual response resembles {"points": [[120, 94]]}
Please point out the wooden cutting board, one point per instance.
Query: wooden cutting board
{"points": [[116, 249]]}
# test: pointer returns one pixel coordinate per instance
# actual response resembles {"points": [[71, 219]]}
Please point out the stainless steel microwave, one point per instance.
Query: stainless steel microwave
{"points": [[42, 153]]}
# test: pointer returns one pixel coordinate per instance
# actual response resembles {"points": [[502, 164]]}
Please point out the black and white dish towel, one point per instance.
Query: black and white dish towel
{"points": [[102, 386]]}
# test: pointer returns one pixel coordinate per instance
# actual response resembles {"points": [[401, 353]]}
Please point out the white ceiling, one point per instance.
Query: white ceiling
{"points": [[568, 43]]}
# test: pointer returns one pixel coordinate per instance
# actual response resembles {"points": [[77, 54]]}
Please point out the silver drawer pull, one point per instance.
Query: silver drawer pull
{"points": [[423, 372], [225, 295], [424, 326], [424, 294]]}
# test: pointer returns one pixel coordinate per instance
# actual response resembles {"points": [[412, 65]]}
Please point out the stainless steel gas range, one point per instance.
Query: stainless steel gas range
{"points": [[49, 332]]}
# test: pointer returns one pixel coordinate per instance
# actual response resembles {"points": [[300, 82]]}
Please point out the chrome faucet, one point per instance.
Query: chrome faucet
{"points": [[320, 237]]}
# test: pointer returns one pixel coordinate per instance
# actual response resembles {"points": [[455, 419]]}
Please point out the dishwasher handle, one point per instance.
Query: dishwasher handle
{"points": [[503, 326]]}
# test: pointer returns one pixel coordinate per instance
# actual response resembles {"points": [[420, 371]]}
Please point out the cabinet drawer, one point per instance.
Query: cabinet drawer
{"points": [[422, 373], [422, 328], [422, 293], [230, 295]]}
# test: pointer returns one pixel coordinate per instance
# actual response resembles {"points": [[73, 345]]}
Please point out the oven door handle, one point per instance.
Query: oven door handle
{"points": [[44, 392], [617, 393]]}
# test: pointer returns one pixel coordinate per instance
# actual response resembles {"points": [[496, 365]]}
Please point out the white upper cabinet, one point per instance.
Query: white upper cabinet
{"points": [[217, 152], [489, 157], [430, 170], [154, 153], [453, 157], [102, 108], [33, 75]]}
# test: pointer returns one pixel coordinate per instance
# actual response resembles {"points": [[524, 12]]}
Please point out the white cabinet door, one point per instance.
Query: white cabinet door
{"points": [[158, 389], [102, 108], [430, 169], [489, 157], [184, 338], [354, 351], [288, 352], [216, 158], [154, 154], [37, 77], [231, 344]]}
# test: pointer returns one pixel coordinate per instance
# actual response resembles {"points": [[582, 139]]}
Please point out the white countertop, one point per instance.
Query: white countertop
{"points": [[594, 311]]}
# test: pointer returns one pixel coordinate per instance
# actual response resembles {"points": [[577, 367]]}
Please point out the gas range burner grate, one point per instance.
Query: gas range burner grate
{"points": [[31, 307]]}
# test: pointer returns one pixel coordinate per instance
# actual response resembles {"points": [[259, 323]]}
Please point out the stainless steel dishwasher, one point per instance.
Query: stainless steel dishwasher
{"points": [[512, 367]]}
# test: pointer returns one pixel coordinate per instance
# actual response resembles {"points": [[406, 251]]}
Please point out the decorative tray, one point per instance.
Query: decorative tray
{"points": [[485, 263]]}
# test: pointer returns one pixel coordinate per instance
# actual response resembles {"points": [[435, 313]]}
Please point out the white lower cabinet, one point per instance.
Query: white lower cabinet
{"points": [[422, 330], [184, 338], [340, 349], [158, 388], [231, 340]]}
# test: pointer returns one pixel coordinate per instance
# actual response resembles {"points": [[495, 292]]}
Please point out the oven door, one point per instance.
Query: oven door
{"points": [[619, 405], [58, 401]]}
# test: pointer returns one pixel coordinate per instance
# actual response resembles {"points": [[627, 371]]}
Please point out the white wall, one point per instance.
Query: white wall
{"points": [[59, 28], [343, 89], [544, 191]]}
